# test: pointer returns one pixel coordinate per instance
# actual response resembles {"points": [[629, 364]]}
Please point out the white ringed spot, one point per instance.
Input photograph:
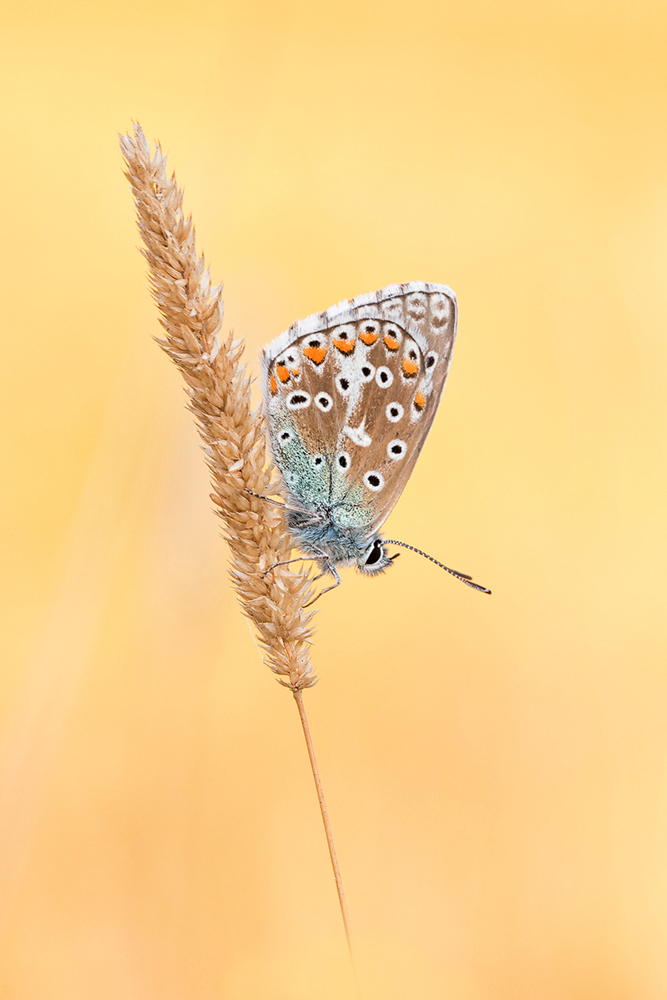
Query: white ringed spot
{"points": [[323, 402], [384, 377], [430, 361], [394, 412], [343, 460], [298, 400], [343, 385], [396, 449], [374, 481], [367, 372], [318, 461], [285, 436]]}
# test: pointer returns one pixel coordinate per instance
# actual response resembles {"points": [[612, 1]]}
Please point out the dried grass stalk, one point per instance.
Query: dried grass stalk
{"points": [[191, 312]]}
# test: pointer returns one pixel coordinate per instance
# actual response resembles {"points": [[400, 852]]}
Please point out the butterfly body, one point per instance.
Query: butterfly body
{"points": [[333, 544], [350, 396]]}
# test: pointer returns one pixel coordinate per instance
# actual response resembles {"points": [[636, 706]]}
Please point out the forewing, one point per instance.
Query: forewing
{"points": [[351, 394]]}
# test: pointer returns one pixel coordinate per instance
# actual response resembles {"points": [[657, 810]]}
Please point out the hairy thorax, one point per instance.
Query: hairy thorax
{"points": [[320, 534]]}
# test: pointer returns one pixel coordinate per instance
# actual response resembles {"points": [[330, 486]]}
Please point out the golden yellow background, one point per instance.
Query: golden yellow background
{"points": [[495, 767]]}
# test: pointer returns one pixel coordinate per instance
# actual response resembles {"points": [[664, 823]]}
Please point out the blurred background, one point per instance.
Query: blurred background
{"points": [[496, 767]]}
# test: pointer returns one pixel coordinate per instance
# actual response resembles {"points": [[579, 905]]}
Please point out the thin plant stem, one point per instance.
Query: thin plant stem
{"points": [[298, 697]]}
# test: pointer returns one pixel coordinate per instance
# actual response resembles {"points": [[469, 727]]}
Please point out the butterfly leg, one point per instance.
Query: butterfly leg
{"points": [[286, 562], [334, 572]]}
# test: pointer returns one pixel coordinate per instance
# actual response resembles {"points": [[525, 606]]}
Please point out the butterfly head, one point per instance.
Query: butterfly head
{"points": [[374, 558]]}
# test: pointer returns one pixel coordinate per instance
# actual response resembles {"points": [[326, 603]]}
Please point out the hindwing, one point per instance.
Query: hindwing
{"points": [[351, 393]]}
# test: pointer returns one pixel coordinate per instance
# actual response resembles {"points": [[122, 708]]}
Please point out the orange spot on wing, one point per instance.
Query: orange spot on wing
{"points": [[420, 401], [316, 354], [273, 385], [369, 338], [344, 346], [295, 372], [282, 373], [410, 368], [391, 342]]}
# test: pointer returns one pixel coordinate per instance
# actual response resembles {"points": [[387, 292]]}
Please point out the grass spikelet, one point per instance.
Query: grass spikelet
{"points": [[218, 389], [234, 443]]}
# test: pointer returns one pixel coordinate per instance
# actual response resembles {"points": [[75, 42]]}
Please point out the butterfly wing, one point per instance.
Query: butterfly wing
{"points": [[351, 394]]}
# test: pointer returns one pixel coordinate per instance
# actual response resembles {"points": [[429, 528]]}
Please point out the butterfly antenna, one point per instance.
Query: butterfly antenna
{"points": [[463, 577]]}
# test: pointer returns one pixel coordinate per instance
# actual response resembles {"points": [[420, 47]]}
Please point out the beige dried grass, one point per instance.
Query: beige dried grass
{"points": [[191, 313]]}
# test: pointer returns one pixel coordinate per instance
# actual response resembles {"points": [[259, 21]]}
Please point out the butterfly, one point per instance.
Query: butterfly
{"points": [[350, 395]]}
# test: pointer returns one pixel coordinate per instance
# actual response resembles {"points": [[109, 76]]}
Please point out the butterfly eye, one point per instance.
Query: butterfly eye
{"points": [[323, 401], [396, 449], [384, 377], [394, 412], [344, 460], [375, 554], [374, 481]]}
